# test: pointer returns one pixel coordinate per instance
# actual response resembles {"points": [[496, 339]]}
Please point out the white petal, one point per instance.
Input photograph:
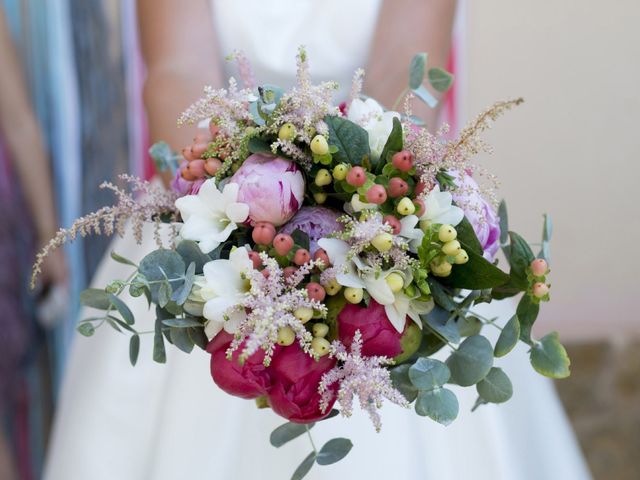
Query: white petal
{"points": [[235, 320], [199, 228], [396, 318], [210, 194], [215, 309], [349, 280], [190, 205], [237, 212], [336, 250], [212, 328], [223, 277], [379, 289], [230, 192], [240, 260], [208, 245]]}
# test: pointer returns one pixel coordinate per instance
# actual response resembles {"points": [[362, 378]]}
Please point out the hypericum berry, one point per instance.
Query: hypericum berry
{"points": [[315, 291], [382, 242], [323, 177], [184, 173], [356, 177], [197, 149], [462, 257], [303, 314], [395, 282], [393, 222], [539, 267], [447, 233], [340, 171], [186, 153], [406, 207], [301, 257], [451, 248], [320, 197], [319, 145], [320, 346], [403, 160], [263, 233], [202, 137], [441, 268], [320, 330], [398, 187], [540, 289], [196, 168], [419, 207], [286, 336], [212, 166], [420, 187], [353, 295], [376, 194], [332, 287], [214, 129], [287, 132], [289, 271], [255, 259], [320, 254], [265, 273], [283, 243]]}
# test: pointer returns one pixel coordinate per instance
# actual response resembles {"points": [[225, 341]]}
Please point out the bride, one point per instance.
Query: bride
{"points": [[170, 421]]}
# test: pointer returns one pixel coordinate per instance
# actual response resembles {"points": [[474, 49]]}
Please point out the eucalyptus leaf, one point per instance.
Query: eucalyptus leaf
{"points": [[402, 382], [287, 432], [161, 265], [123, 309], [163, 157], [527, 312], [134, 349], [159, 352], [520, 256], [440, 405], [181, 322], [351, 140], [547, 230], [416, 70], [164, 293], [86, 329], [440, 79], [198, 337], [425, 95], [441, 296], [190, 252], [181, 339], [428, 373], [180, 295], [495, 387], [259, 145], [508, 338], [334, 450], [549, 357], [301, 239], [469, 326], [95, 298], [121, 259], [304, 467], [504, 223], [443, 323], [471, 362]]}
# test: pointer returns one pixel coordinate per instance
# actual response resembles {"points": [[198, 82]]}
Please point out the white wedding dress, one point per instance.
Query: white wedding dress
{"points": [[168, 422]]}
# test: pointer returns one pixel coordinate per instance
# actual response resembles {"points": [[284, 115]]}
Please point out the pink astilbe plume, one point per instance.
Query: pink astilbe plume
{"points": [[359, 376], [245, 70]]}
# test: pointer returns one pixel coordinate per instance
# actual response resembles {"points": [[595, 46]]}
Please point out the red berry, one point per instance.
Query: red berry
{"points": [[255, 259], [539, 267], [356, 177], [393, 223], [196, 168], [419, 207], [302, 256], [398, 187], [283, 244], [212, 166], [316, 291], [265, 273], [197, 149], [320, 254], [419, 188], [288, 271], [263, 233], [376, 194], [403, 160]]}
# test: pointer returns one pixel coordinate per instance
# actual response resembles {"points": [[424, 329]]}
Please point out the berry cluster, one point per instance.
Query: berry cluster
{"points": [[451, 252], [537, 275], [198, 166]]}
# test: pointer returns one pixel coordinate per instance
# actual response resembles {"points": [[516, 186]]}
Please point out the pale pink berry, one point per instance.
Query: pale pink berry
{"points": [[376, 194], [186, 153], [289, 271], [214, 129], [316, 291], [539, 267], [202, 137], [302, 256], [356, 177], [265, 273], [283, 244], [320, 254], [403, 160], [393, 223], [540, 289], [263, 233], [196, 168], [398, 187], [197, 149], [187, 175], [420, 187], [255, 259], [212, 166]]}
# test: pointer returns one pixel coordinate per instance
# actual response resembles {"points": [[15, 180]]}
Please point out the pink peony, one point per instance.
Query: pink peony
{"points": [[317, 222], [273, 187], [379, 337], [249, 380], [479, 212], [185, 187], [295, 379]]}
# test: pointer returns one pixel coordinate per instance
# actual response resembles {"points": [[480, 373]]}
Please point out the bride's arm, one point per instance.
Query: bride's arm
{"points": [[181, 54], [406, 27]]}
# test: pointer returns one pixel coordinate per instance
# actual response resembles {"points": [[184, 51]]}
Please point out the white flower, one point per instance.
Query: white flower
{"points": [[370, 115], [211, 215], [357, 205], [224, 286]]}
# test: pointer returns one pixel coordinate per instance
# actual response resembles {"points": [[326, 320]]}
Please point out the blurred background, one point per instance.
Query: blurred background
{"points": [[570, 150]]}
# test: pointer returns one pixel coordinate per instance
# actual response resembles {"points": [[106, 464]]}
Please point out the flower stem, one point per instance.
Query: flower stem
{"points": [[313, 445]]}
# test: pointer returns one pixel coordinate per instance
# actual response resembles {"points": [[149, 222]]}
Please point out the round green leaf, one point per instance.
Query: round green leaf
{"points": [[86, 329], [123, 309], [440, 405], [304, 467], [334, 450], [508, 337], [495, 387], [416, 70], [440, 79], [427, 374], [402, 383], [95, 298], [549, 358], [471, 362], [287, 432]]}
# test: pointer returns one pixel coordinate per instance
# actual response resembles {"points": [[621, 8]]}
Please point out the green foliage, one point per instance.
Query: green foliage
{"points": [[402, 382], [121, 259], [122, 308], [423, 94], [393, 145], [87, 329], [190, 252], [304, 467], [495, 387], [134, 349], [547, 230], [163, 157], [443, 323], [181, 322], [416, 70], [287, 432], [469, 326], [477, 274], [440, 79], [549, 357], [428, 374], [441, 405], [181, 294], [351, 140], [520, 257], [527, 312], [95, 298], [508, 337], [333, 451], [301, 239], [467, 236], [180, 338], [159, 353], [164, 270], [259, 145], [504, 227], [471, 362]]}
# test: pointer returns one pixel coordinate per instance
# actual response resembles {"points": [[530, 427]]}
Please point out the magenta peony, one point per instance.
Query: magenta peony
{"points": [[249, 380], [379, 336], [317, 222], [273, 187], [479, 212], [294, 389]]}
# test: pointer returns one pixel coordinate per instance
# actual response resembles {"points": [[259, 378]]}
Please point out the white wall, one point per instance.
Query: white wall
{"points": [[573, 149]]}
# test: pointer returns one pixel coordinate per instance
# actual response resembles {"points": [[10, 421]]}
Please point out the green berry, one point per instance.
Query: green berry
{"points": [[383, 242], [451, 248], [447, 233], [406, 207], [286, 336], [287, 132], [340, 171], [353, 295], [319, 145], [320, 346], [462, 257], [320, 330]]}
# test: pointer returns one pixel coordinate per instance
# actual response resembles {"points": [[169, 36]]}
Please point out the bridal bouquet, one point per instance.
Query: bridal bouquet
{"points": [[322, 254]]}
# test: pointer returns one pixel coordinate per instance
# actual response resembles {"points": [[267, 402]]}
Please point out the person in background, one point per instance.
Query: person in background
{"points": [[29, 220]]}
